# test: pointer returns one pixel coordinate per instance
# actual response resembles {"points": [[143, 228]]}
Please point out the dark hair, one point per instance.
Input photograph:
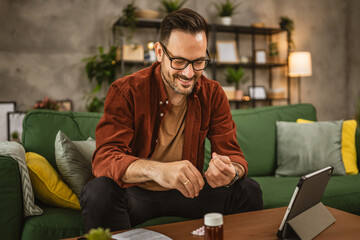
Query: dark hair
{"points": [[185, 20]]}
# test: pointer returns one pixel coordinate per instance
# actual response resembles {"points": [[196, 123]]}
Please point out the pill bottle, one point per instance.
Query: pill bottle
{"points": [[214, 226]]}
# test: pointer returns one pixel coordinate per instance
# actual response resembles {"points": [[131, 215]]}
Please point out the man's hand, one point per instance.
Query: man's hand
{"points": [[220, 172], [180, 175]]}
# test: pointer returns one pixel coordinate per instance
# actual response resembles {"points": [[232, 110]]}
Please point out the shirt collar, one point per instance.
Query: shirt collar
{"points": [[159, 83]]}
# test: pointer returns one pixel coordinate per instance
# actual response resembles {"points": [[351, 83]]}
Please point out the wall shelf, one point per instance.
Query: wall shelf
{"points": [[250, 65], [236, 30]]}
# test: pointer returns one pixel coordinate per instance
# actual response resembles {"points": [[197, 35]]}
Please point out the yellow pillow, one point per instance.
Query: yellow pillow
{"points": [[348, 149], [48, 185]]}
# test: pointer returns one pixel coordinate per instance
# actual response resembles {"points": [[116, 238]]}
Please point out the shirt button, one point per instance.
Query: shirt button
{"points": [[161, 102], [167, 102], [161, 114], [156, 140]]}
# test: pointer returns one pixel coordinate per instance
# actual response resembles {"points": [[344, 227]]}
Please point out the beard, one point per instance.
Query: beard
{"points": [[174, 82]]}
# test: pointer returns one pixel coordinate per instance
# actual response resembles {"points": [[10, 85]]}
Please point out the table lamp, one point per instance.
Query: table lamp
{"points": [[300, 66]]}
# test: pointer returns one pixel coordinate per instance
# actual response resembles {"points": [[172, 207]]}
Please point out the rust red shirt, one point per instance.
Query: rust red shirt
{"points": [[134, 109]]}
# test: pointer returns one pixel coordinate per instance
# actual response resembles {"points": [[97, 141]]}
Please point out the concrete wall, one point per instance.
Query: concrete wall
{"points": [[42, 44], [353, 56]]}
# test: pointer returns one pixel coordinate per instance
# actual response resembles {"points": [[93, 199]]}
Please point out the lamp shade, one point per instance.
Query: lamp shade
{"points": [[300, 64]]}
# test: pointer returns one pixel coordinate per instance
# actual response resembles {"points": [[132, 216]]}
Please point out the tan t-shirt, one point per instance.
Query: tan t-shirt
{"points": [[170, 141], [171, 135]]}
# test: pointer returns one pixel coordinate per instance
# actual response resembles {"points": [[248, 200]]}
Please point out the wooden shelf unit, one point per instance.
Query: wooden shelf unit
{"points": [[236, 30]]}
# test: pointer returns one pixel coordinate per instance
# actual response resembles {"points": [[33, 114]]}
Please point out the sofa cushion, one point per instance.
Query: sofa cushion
{"points": [[342, 192], [16, 151], [55, 223], [256, 133], [73, 159], [276, 191], [305, 148], [48, 185], [348, 148], [41, 126]]}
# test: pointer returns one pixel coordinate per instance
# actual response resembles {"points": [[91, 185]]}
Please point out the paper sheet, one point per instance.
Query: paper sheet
{"points": [[140, 234]]}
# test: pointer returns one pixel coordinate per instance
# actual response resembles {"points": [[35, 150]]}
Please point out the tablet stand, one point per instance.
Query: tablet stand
{"points": [[309, 223]]}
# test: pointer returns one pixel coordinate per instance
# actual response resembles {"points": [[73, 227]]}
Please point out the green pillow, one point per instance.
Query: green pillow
{"points": [[305, 148], [73, 159]]}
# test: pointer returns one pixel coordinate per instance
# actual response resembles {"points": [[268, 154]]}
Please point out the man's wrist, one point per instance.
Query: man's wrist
{"points": [[239, 168], [239, 173], [236, 177], [141, 170]]}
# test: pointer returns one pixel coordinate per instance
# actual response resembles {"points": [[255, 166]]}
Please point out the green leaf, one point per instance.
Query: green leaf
{"points": [[172, 5], [101, 50], [95, 105], [97, 88], [240, 73], [226, 9], [236, 76], [88, 69], [100, 68]]}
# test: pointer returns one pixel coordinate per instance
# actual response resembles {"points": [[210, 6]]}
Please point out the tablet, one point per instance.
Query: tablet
{"points": [[308, 192]]}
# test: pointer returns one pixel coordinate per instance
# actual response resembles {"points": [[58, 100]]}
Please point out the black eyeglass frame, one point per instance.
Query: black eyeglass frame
{"points": [[207, 60]]}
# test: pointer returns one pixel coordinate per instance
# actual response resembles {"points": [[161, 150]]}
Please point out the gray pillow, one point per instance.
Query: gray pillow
{"points": [[308, 147], [73, 159]]}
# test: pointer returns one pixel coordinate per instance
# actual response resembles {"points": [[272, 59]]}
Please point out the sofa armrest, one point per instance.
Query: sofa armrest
{"points": [[11, 206]]}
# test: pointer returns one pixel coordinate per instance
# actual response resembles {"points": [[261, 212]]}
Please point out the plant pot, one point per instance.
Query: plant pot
{"points": [[274, 59], [239, 94], [225, 20], [147, 13]]}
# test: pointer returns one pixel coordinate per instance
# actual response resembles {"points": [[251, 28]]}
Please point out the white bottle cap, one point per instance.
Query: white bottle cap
{"points": [[213, 219]]}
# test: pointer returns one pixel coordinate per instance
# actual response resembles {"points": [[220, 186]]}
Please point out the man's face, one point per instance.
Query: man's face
{"points": [[182, 45]]}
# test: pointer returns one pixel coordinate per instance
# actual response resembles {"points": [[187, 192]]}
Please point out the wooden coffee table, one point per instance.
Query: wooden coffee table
{"points": [[261, 225]]}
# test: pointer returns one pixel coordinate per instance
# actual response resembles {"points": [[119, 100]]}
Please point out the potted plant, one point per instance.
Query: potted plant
{"points": [[102, 68], [47, 103], [15, 136], [172, 5], [288, 25], [273, 51], [226, 10], [238, 77], [127, 20], [98, 234]]}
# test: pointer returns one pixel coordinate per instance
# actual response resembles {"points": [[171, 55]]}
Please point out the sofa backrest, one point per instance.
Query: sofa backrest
{"points": [[256, 133], [41, 126]]}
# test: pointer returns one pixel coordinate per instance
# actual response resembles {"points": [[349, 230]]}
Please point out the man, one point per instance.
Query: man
{"points": [[150, 140]]}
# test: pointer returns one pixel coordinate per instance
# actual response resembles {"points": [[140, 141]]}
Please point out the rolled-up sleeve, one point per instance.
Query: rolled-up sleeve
{"points": [[114, 134], [222, 130]]}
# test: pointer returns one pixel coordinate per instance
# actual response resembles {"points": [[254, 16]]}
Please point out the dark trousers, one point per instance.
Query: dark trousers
{"points": [[105, 204]]}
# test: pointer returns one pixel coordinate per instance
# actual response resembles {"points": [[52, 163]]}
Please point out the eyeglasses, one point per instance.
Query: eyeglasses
{"points": [[182, 63]]}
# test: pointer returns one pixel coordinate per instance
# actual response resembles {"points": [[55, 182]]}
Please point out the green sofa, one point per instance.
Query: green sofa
{"points": [[256, 134]]}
